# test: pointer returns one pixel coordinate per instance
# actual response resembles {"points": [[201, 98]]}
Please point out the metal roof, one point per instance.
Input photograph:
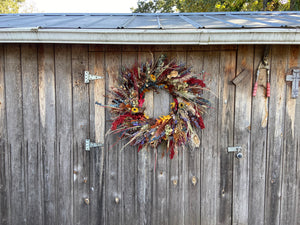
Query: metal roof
{"points": [[203, 28]]}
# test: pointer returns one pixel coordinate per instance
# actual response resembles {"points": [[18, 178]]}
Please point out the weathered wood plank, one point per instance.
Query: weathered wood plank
{"points": [[257, 159], [225, 136], [298, 161], [192, 160], [81, 132], [242, 136], [160, 182], [64, 120], [145, 163], [129, 170], [113, 174], [178, 186], [4, 175], [275, 135], [188, 206], [14, 106], [160, 48], [209, 145], [47, 113], [31, 133], [97, 134], [105, 48], [291, 139]]}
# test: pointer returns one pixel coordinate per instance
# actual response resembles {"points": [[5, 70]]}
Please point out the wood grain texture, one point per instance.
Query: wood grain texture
{"points": [[193, 158], [31, 127], [47, 112], [209, 146], [187, 166], [145, 163], [161, 102], [81, 118], [275, 135], [97, 134], [114, 166], [64, 116], [290, 190], [4, 182], [178, 187], [129, 163], [297, 145], [15, 134], [47, 115], [242, 136], [160, 48], [226, 93], [257, 159]]}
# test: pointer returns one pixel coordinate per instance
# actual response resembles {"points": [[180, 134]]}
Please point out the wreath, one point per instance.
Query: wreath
{"points": [[175, 129]]}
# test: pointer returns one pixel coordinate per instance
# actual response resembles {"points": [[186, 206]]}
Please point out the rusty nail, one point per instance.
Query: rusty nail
{"points": [[85, 180], [175, 182]]}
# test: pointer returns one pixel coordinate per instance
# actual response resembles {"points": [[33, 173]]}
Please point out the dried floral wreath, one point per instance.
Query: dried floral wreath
{"points": [[179, 126]]}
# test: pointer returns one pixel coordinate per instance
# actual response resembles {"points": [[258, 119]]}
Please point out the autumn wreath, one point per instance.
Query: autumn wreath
{"points": [[175, 129]]}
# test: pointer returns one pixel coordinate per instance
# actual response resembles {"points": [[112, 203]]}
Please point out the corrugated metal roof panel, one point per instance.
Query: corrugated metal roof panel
{"points": [[148, 28], [228, 20]]}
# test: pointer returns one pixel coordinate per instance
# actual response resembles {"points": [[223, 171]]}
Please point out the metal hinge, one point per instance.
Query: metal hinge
{"points": [[237, 149], [88, 77], [89, 144]]}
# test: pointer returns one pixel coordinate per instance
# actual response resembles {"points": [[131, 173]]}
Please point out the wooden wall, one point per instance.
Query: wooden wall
{"points": [[47, 112]]}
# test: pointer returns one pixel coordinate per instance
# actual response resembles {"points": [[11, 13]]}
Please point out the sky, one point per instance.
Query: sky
{"points": [[83, 6]]}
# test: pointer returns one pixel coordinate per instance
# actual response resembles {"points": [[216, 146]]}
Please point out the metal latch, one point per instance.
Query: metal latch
{"points": [[295, 78], [88, 77], [237, 149], [89, 144]]}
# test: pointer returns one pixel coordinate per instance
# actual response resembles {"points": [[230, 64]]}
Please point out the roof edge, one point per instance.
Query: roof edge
{"points": [[149, 37], [158, 14]]}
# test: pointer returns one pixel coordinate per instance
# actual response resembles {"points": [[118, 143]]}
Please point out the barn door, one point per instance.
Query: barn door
{"points": [[250, 132], [47, 112], [265, 179], [206, 185]]}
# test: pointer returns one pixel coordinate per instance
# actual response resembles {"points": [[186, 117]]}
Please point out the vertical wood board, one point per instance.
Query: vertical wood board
{"points": [[225, 136], [242, 136], [145, 162], [31, 134], [97, 134], [47, 117], [129, 161], [81, 116], [160, 196], [4, 182], [15, 134], [291, 138], [276, 126], [209, 146], [114, 195], [64, 115], [257, 159]]}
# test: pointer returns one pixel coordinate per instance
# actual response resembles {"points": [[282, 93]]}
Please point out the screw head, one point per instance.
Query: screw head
{"points": [[194, 180], [87, 201], [239, 155]]}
